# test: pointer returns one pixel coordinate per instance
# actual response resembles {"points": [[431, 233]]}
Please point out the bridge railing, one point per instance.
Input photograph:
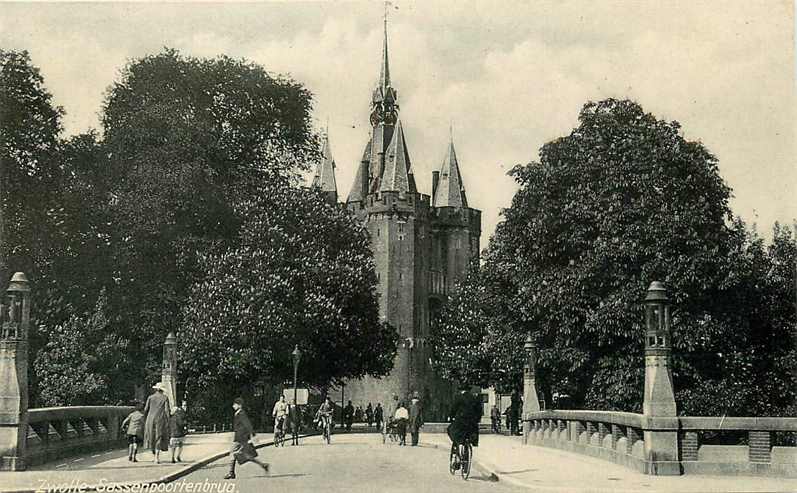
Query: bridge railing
{"points": [[58, 432], [627, 439]]}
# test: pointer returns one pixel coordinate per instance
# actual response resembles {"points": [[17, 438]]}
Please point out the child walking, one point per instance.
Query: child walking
{"points": [[133, 425]]}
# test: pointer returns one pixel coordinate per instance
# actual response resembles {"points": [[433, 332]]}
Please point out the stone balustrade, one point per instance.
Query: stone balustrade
{"points": [[58, 432], [628, 439]]}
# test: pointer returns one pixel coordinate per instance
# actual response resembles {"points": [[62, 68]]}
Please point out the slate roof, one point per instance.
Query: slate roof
{"points": [[325, 170], [450, 190]]}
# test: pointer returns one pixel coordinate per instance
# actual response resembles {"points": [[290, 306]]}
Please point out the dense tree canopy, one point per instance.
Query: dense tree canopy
{"points": [[622, 201], [303, 275], [29, 176], [196, 175]]}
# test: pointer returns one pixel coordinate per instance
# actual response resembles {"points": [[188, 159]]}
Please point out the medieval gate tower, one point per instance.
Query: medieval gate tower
{"points": [[422, 244]]}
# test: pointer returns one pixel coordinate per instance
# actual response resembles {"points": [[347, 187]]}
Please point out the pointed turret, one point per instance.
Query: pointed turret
{"points": [[325, 173], [450, 190], [397, 175], [359, 189]]}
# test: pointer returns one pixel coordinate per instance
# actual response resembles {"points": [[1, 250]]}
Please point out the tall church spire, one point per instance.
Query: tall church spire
{"points": [[385, 96], [450, 191], [384, 75]]}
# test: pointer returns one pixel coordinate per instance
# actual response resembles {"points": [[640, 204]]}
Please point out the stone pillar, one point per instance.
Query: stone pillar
{"points": [[661, 447], [531, 403], [14, 326], [169, 372]]}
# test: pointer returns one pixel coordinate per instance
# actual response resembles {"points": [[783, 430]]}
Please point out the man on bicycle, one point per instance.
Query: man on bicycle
{"points": [[465, 416], [280, 413], [324, 415]]}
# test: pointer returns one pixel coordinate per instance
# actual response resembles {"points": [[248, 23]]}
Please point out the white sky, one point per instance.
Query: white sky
{"points": [[510, 75]]}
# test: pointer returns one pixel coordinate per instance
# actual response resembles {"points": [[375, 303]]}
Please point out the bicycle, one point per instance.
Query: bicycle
{"points": [[279, 432], [461, 458], [326, 428]]}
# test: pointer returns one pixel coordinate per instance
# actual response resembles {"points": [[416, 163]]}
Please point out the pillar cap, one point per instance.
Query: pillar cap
{"points": [[657, 293], [171, 339], [529, 342], [19, 283]]}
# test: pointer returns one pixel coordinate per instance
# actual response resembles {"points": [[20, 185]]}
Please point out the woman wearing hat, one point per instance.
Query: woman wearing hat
{"points": [[156, 427]]}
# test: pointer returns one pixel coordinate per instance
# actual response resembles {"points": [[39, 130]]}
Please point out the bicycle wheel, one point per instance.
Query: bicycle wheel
{"points": [[467, 459], [452, 461]]}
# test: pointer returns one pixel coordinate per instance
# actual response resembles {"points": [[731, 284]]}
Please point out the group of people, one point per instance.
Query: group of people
{"points": [[372, 416], [511, 414], [406, 419], [157, 426]]}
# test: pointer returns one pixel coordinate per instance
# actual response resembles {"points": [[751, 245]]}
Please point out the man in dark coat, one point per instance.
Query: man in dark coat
{"points": [[242, 450], [416, 418], [348, 416], [378, 416], [514, 412], [465, 416]]}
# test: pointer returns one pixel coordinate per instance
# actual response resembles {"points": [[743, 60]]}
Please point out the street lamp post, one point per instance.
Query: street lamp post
{"points": [[297, 355]]}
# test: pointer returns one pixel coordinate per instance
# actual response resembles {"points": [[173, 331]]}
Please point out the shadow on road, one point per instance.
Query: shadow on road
{"points": [[520, 471]]}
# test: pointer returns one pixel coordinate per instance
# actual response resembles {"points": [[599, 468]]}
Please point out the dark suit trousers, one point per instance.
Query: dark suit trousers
{"points": [[415, 432]]}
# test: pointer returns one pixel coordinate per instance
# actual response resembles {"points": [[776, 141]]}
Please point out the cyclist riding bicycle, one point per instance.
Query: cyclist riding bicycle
{"points": [[280, 413], [324, 415], [465, 416]]}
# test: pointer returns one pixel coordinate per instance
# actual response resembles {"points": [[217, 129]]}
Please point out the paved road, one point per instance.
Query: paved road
{"points": [[352, 463]]}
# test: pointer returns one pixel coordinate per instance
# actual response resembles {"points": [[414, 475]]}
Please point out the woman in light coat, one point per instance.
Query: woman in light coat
{"points": [[156, 428]]}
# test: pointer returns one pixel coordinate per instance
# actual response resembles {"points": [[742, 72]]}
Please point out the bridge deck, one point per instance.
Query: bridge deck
{"points": [[541, 469], [111, 466], [547, 469]]}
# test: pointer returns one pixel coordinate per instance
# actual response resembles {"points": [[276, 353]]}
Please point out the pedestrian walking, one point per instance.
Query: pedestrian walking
{"points": [[242, 449], [133, 426], [369, 414], [358, 414], [514, 413], [401, 417], [178, 431], [378, 416], [495, 418], [294, 421], [348, 416], [415, 418], [156, 427]]}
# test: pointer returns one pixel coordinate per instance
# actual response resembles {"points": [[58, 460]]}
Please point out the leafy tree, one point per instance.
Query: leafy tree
{"points": [[469, 337], [81, 360], [622, 201], [302, 274], [29, 128], [181, 133]]}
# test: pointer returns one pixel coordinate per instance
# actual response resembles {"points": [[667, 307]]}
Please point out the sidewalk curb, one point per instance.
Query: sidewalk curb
{"points": [[168, 478]]}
